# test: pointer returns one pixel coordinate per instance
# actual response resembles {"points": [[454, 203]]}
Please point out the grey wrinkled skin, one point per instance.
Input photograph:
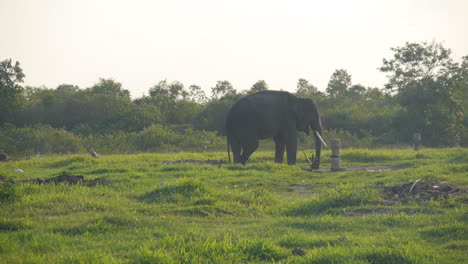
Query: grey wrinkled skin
{"points": [[271, 114]]}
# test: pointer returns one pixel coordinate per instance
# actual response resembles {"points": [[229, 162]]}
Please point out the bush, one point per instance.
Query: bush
{"points": [[48, 140], [40, 138], [160, 138]]}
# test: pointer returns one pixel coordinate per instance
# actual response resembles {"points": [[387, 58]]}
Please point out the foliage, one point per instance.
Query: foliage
{"points": [[427, 93], [261, 85], [45, 139], [11, 93], [213, 116], [40, 138], [339, 83], [415, 62], [306, 90], [427, 82], [108, 87], [222, 89]]}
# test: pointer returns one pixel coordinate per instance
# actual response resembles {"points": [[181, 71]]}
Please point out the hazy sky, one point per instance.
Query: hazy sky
{"points": [[139, 43]]}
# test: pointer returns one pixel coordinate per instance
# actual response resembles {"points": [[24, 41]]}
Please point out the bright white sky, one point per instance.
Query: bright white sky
{"points": [[139, 43]]}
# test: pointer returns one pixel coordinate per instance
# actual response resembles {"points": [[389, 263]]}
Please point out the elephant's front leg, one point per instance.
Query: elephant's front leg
{"points": [[279, 149], [291, 147]]}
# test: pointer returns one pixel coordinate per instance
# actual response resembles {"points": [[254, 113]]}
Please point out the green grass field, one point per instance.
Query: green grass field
{"points": [[190, 213]]}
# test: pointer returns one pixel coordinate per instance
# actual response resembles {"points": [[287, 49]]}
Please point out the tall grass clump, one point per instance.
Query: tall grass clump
{"points": [[8, 192], [196, 248], [183, 190], [365, 156], [343, 196]]}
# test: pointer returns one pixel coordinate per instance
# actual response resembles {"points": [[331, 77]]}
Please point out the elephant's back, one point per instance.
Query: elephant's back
{"points": [[261, 112]]}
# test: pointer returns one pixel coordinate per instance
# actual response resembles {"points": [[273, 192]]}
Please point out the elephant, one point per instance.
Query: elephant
{"points": [[272, 114]]}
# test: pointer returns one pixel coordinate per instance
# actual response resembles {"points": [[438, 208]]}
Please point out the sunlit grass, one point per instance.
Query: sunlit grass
{"points": [[187, 213]]}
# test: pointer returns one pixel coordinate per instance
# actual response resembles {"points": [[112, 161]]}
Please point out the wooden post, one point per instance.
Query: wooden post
{"points": [[335, 145], [456, 141], [417, 141]]}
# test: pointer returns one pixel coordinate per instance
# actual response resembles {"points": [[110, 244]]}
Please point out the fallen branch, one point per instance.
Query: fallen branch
{"points": [[412, 186], [308, 160]]}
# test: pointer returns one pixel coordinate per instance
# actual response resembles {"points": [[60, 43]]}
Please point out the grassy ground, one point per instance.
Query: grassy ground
{"points": [[185, 213]]}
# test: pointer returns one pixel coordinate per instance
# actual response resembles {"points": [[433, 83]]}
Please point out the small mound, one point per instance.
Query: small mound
{"points": [[198, 162], [424, 190]]}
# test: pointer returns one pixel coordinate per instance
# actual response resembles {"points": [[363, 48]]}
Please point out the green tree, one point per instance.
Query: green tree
{"points": [[222, 88], [67, 89], [196, 94], [306, 90], [175, 103], [261, 85], [212, 116], [357, 91], [339, 83], [427, 80], [11, 93], [109, 87], [414, 62]]}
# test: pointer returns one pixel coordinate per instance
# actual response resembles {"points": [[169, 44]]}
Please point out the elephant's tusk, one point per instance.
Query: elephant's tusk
{"points": [[321, 139]]}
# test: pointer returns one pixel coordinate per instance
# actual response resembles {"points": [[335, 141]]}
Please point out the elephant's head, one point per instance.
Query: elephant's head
{"points": [[308, 117]]}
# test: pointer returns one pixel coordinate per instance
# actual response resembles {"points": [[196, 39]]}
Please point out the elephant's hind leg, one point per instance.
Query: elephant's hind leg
{"points": [[236, 150], [279, 149], [247, 150]]}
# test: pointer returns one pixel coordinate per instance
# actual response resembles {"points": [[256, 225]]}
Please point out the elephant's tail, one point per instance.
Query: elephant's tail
{"points": [[228, 150]]}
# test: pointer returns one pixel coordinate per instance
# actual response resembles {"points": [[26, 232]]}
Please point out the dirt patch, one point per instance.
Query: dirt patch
{"points": [[300, 190], [424, 190], [69, 179], [198, 162], [367, 168]]}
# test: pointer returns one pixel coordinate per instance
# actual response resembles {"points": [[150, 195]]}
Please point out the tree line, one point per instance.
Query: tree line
{"points": [[426, 93]]}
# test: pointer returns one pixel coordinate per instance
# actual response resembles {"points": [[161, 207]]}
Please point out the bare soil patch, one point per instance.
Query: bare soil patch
{"points": [[424, 190], [300, 190], [69, 179], [197, 162], [366, 168]]}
